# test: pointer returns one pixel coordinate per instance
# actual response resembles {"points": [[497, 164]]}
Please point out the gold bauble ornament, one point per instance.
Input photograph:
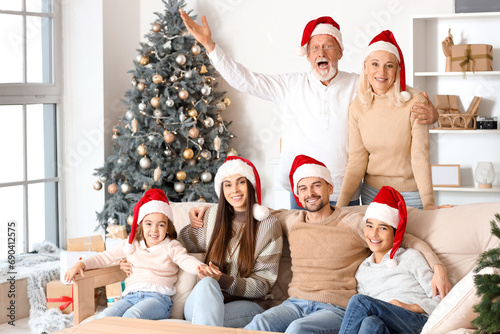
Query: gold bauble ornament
{"points": [[112, 188], [115, 136], [157, 174], [232, 152], [155, 102], [219, 118], [157, 79], [183, 94], [135, 125], [201, 199], [142, 150], [180, 175], [188, 154], [195, 49], [226, 101], [130, 220], [97, 185], [141, 86], [203, 69], [156, 27], [168, 137], [193, 132], [144, 61], [180, 59], [193, 113]]}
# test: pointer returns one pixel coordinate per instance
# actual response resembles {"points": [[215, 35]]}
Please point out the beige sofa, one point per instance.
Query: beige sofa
{"points": [[457, 235]]}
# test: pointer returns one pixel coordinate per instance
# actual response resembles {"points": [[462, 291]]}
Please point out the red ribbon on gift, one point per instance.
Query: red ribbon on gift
{"points": [[64, 299]]}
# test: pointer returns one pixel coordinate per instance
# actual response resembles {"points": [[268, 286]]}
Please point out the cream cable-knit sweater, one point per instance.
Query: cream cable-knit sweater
{"points": [[387, 147], [158, 266]]}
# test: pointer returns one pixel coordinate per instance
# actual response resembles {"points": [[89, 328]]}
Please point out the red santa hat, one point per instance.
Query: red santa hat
{"points": [[324, 25], [385, 41], [235, 165], [304, 166], [389, 207], [153, 201]]}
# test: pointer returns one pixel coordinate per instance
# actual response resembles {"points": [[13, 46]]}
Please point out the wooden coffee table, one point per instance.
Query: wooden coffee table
{"points": [[113, 325]]}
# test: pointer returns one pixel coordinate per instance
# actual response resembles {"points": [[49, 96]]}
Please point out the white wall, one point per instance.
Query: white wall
{"points": [[100, 38]]}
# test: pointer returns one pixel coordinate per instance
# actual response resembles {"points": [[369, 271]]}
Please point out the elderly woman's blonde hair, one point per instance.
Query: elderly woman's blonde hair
{"points": [[365, 92]]}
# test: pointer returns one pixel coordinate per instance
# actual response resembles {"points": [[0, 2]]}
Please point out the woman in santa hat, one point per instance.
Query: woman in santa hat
{"points": [[243, 241], [386, 145], [154, 253]]}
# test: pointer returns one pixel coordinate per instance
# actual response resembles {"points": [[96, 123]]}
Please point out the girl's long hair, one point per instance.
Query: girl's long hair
{"points": [[223, 232]]}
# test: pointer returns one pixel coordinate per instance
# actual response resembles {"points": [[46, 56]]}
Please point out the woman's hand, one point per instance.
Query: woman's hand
{"points": [[425, 113], [201, 33], [440, 282], [444, 206], [126, 267], [78, 268], [410, 307], [209, 271], [196, 216]]}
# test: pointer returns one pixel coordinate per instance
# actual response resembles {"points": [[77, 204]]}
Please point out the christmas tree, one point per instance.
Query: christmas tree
{"points": [[172, 136], [488, 285]]}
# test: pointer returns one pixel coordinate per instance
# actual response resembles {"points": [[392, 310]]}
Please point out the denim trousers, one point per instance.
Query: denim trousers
{"points": [[295, 206], [412, 198], [300, 316], [140, 305], [368, 315], [205, 306]]}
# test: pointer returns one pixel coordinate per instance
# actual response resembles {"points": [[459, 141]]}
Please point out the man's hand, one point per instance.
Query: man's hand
{"points": [[196, 216], [201, 33], [410, 307], [126, 267], [425, 113], [440, 282]]}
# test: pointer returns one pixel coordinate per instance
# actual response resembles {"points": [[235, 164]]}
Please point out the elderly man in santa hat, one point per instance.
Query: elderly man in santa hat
{"points": [[327, 245], [313, 106]]}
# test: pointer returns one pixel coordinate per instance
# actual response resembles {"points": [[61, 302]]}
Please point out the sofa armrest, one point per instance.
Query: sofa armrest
{"points": [[83, 289]]}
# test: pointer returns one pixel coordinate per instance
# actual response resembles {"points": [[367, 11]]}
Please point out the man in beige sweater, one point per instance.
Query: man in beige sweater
{"points": [[326, 246]]}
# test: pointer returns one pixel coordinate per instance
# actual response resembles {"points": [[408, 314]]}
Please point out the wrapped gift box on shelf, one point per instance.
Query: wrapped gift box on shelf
{"points": [[93, 243], [116, 232], [449, 116], [471, 57]]}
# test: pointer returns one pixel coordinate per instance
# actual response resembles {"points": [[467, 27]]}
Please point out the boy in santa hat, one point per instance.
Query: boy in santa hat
{"points": [[394, 284], [313, 105], [155, 254]]}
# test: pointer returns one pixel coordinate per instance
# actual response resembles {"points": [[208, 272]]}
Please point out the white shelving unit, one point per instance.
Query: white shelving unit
{"points": [[426, 71]]}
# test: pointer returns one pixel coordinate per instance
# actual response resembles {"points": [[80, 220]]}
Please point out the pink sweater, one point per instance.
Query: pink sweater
{"points": [[157, 265]]}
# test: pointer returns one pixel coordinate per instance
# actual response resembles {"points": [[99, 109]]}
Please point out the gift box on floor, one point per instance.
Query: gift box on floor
{"points": [[93, 243], [68, 260], [471, 57], [60, 295], [114, 292]]}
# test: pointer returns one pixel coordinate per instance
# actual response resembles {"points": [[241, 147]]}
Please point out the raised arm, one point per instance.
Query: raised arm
{"points": [[202, 34]]}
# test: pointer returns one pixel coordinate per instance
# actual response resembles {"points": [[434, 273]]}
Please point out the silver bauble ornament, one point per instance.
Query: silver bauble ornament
{"points": [[126, 188], [142, 106], [206, 177], [157, 113], [180, 59], [170, 103], [201, 141], [97, 185], [220, 105], [179, 187], [145, 162], [129, 115], [103, 178], [195, 49], [182, 117], [173, 78], [205, 90], [112, 221], [206, 154], [119, 161], [208, 122], [188, 75], [192, 162], [167, 153]]}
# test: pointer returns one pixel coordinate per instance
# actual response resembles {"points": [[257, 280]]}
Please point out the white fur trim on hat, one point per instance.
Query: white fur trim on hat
{"points": [[310, 170], [382, 46], [382, 212], [234, 167], [155, 207], [328, 29]]}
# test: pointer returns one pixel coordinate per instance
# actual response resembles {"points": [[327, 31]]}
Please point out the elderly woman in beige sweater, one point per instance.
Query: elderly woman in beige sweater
{"points": [[386, 146]]}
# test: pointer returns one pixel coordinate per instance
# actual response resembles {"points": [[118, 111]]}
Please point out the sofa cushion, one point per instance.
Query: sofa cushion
{"points": [[455, 310], [185, 283]]}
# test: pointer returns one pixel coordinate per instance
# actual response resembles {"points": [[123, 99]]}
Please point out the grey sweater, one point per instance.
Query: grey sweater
{"points": [[409, 282]]}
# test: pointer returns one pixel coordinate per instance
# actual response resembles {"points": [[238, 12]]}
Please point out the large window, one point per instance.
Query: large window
{"points": [[30, 81]]}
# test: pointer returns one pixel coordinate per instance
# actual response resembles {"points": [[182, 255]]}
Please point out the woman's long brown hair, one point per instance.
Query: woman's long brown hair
{"points": [[223, 232]]}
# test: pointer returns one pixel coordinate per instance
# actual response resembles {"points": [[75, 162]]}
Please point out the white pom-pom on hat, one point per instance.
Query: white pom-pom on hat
{"points": [[406, 96], [260, 212], [391, 263], [300, 51], [128, 249]]}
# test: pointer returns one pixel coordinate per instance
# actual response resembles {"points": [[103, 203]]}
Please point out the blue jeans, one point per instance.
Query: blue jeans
{"points": [[295, 206], [140, 305], [205, 306], [412, 198], [368, 315], [300, 316]]}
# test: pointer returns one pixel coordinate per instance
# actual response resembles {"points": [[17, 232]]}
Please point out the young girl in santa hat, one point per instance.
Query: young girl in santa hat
{"points": [[241, 239], [156, 256], [393, 284]]}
